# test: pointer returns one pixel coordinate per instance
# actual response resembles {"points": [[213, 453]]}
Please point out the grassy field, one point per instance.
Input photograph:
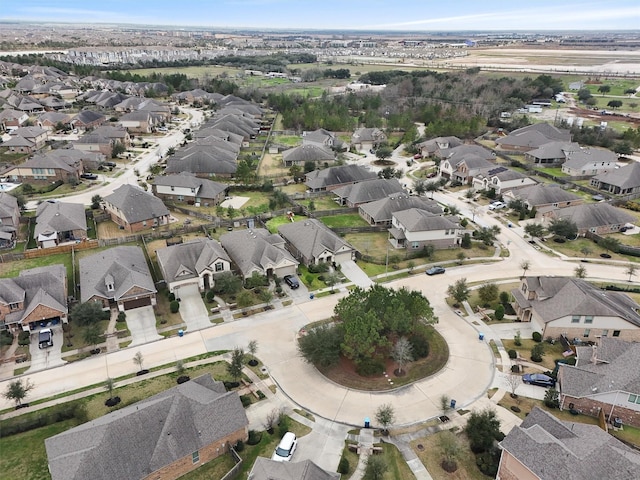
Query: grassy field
{"points": [[618, 86], [344, 220]]}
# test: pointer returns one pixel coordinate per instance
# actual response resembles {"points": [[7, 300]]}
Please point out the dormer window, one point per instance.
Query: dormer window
{"points": [[109, 283]]}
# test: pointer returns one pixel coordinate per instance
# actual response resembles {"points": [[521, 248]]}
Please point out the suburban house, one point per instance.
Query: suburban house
{"points": [[543, 447], [381, 211], [606, 379], [9, 219], [162, 437], [318, 155], [356, 194], [117, 276], [87, 119], [621, 181], [186, 187], [589, 161], [334, 177], [204, 161], [117, 134], [11, 119], [63, 165], [312, 242], [267, 469], [232, 138], [414, 228], [34, 299], [257, 250], [533, 136], [323, 138], [196, 95], [365, 139], [95, 142], [574, 308], [501, 179], [26, 139], [436, 146], [598, 218], [544, 198], [193, 263], [140, 121], [50, 121], [463, 162], [134, 209], [59, 222]]}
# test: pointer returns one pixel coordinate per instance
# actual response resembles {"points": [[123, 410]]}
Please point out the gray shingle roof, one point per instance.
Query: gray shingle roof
{"points": [[381, 210], [543, 194], [416, 220], [312, 237], [595, 215], [8, 205], [625, 177], [553, 449], [203, 161], [203, 187], [586, 155], [86, 117], [135, 204], [554, 150], [308, 153], [188, 260], [124, 267], [456, 155], [338, 176], [535, 135], [59, 217], [369, 191], [266, 469], [137, 440]]}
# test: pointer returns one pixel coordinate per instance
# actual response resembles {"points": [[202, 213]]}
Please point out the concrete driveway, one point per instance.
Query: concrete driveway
{"points": [[192, 309], [141, 322], [508, 330], [44, 358], [355, 274]]}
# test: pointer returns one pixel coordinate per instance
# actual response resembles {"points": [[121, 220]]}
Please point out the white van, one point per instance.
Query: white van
{"points": [[45, 338], [285, 449]]}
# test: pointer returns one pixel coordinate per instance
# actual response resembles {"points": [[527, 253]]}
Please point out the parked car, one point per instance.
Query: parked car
{"points": [[109, 164], [291, 281], [432, 174], [89, 176], [435, 270], [417, 156], [539, 379], [45, 338], [497, 206], [286, 448]]}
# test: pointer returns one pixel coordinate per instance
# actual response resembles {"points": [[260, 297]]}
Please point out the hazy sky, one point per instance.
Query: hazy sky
{"points": [[427, 15]]}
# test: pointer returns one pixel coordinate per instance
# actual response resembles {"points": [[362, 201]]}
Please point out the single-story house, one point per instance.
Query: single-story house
{"points": [[334, 177], [34, 299], [380, 212], [435, 146], [204, 161], [257, 250], [544, 197], [140, 121], [266, 469], [606, 379], [546, 448], [87, 119], [163, 437], [413, 229], [620, 181], [323, 138], [574, 308], [59, 222], [193, 263], [365, 139], [589, 161], [96, 143], [117, 276], [117, 134], [186, 187], [356, 194], [598, 218], [318, 155], [501, 179], [9, 219], [312, 242], [134, 209], [532, 137]]}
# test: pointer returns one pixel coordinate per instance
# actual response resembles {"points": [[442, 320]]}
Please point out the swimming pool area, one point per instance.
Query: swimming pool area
{"points": [[8, 186]]}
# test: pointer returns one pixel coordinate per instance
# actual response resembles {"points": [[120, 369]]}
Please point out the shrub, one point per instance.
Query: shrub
{"points": [[122, 316], [512, 354], [239, 446], [370, 367], [537, 337], [488, 462], [174, 306], [537, 352], [6, 337], [24, 338], [283, 425], [209, 296], [420, 346], [499, 313], [254, 437], [343, 466], [172, 297], [231, 385], [246, 401], [504, 297], [321, 267], [552, 398]]}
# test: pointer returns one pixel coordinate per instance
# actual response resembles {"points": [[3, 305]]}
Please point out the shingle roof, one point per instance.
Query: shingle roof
{"points": [[312, 237], [308, 153], [201, 161], [457, 154], [553, 449], [137, 440], [188, 260], [625, 177], [87, 117], [595, 215], [135, 204], [8, 205], [125, 267], [584, 156], [381, 210], [369, 191], [542, 194], [416, 220], [535, 135], [338, 176], [367, 135], [59, 217], [203, 187], [266, 469]]}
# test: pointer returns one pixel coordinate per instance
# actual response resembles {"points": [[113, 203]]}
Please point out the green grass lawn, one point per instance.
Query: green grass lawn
{"points": [[12, 269], [289, 140], [322, 203], [344, 220], [275, 222], [618, 86], [555, 171], [551, 352], [216, 468]]}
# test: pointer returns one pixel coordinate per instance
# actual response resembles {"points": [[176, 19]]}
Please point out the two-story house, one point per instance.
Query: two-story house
{"points": [[134, 209], [9, 219], [587, 162], [501, 180], [185, 187], [414, 229]]}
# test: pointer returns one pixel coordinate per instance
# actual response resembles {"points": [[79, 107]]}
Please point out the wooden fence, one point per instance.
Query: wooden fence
{"points": [[43, 252]]}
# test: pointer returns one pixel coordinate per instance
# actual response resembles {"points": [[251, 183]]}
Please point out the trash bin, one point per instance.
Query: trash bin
{"points": [[481, 336], [311, 296], [367, 422], [452, 404], [181, 333]]}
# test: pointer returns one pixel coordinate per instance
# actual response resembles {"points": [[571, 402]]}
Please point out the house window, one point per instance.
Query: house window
{"points": [[195, 457], [605, 332], [173, 189], [616, 333], [586, 332], [219, 266], [415, 245], [634, 398], [181, 198], [575, 319], [14, 306], [588, 319], [144, 223]]}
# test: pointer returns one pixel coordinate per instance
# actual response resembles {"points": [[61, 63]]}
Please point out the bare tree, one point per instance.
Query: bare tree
{"points": [[402, 353], [445, 403], [271, 420], [138, 359], [525, 265], [631, 270], [580, 271], [449, 449], [513, 381], [385, 415]]}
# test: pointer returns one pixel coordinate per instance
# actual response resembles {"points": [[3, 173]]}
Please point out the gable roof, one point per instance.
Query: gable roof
{"points": [[381, 210], [8, 205], [137, 440], [188, 260], [593, 215], [369, 191], [542, 194], [535, 135], [367, 135], [554, 449], [437, 143], [203, 161], [460, 153], [59, 217], [136, 205], [312, 237], [625, 177], [202, 187], [123, 267], [308, 153], [338, 176], [87, 117], [587, 155], [267, 469], [417, 220]]}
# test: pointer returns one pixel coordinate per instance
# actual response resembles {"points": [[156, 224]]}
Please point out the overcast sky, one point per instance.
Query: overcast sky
{"points": [[420, 15]]}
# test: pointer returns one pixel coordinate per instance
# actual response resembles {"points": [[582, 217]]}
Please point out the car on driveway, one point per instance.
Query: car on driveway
{"points": [[45, 338], [286, 448], [89, 176], [435, 270], [539, 379], [497, 206], [432, 174], [291, 281]]}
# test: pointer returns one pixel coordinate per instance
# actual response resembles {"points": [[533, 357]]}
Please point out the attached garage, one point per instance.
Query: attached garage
{"points": [[140, 302]]}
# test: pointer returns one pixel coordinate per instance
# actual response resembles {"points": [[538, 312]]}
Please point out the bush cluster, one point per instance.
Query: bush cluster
{"points": [[55, 414]]}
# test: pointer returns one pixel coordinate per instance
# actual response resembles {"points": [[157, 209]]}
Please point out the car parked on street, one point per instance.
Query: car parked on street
{"points": [[539, 379], [286, 448], [291, 281], [435, 270]]}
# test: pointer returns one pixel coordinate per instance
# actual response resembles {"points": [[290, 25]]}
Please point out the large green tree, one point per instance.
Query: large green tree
{"points": [[482, 430], [18, 390], [88, 313], [321, 345], [563, 227]]}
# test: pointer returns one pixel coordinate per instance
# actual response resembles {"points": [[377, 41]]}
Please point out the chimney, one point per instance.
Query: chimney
{"points": [[594, 354]]}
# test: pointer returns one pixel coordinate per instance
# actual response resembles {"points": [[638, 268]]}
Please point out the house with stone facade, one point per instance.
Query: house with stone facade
{"points": [[365, 139], [463, 162], [34, 299], [134, 209], [414, 229], [162, 437], [574, 308], [312, 242], [501, 180]]}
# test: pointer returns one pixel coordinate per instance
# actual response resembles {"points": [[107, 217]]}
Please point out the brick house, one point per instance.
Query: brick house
{"points": [[185, 187], [533, 136], [59, 222], [160, 438], [414, 229], [44, 169], [380, 212], [544, 198], [357, 194], [574, 308], [312, 242], [598, 218], [95, 142], [34, 299], [134, 209], [26, 139], [266, 469], [334, 177]]}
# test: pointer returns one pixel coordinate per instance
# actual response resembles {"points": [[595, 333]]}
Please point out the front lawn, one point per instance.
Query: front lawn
{"points": [[551, 352]]}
